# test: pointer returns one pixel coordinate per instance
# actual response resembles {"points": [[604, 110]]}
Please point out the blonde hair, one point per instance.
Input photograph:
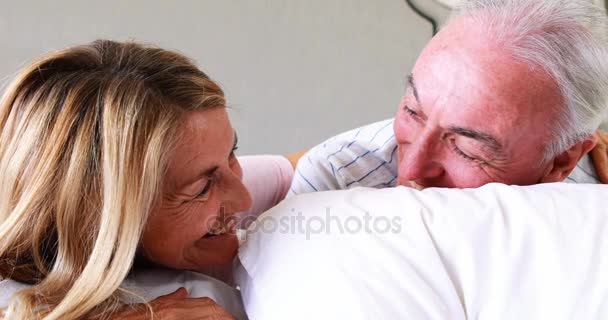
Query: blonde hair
{"points": [[84, 143]]}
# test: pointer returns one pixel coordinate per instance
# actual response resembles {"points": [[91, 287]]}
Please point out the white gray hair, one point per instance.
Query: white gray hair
{"points": [[566, 38]]}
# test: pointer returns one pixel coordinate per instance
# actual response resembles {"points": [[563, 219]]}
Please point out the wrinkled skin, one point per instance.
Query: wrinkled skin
{"points": [[202, 189], [472, 114]]}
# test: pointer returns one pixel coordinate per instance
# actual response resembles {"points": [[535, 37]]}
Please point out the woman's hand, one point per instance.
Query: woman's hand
{"points": [[175, 306]]}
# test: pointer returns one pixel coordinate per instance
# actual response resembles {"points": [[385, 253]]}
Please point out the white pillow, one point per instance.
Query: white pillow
{"points": [[496, 252]]}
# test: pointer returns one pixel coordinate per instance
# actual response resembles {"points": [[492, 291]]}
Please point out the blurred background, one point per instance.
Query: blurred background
{"points": [[294, 72]]}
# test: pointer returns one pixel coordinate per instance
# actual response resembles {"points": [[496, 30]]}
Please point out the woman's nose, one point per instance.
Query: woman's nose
{"points": [[236, 197], [239, 200]]}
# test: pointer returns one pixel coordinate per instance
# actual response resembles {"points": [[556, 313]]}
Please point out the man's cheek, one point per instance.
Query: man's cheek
{"points": [[400, 153], [400, 127], [463, 175], [400, 165]]}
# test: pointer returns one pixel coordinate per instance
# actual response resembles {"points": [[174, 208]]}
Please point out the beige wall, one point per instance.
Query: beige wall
{"points": [[294, 72]]}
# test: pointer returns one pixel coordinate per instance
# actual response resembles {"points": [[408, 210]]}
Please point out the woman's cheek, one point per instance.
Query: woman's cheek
{"points": [[184, 228], [206, 215]]}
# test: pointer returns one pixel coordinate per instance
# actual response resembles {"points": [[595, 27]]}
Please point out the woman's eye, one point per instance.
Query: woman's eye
{"points": [[205, 192], [233, 153]]}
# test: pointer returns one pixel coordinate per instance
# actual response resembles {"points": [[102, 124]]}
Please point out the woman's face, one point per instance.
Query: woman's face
{"points": [[202, 189]]}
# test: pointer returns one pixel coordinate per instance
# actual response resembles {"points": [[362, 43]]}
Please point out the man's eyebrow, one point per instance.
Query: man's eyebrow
{"points": [[410, 83], [491, 143]]}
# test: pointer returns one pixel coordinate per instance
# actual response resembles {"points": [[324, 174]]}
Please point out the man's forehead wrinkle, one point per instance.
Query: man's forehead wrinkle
{"points": [[471, 73], [456, 90], [455, 76]]}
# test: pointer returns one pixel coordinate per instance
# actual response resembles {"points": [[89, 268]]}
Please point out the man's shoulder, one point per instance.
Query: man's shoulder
{"points": [[365, 156], [374, 137], [374, 131]]}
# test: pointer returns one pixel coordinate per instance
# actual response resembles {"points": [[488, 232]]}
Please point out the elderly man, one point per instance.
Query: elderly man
{"points": [[508, 91]]}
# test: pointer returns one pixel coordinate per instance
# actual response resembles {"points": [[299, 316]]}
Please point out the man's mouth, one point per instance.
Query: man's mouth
{"points": [[410, 183], [416, 185]]}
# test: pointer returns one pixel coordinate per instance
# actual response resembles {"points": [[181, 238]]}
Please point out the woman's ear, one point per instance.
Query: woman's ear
{"points": [[563, 164]]}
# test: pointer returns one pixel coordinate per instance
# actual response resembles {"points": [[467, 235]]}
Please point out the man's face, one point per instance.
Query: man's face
{"points": [[472, 115]]}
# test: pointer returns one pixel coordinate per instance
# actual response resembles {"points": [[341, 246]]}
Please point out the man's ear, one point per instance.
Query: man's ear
{"points": [[563, 164]]}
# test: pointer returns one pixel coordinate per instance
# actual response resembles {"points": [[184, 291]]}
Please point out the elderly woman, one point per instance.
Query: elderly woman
{"points": [[112, 153]]}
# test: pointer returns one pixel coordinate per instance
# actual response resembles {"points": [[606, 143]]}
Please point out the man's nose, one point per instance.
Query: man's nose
{"points": [[419, 160]]}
